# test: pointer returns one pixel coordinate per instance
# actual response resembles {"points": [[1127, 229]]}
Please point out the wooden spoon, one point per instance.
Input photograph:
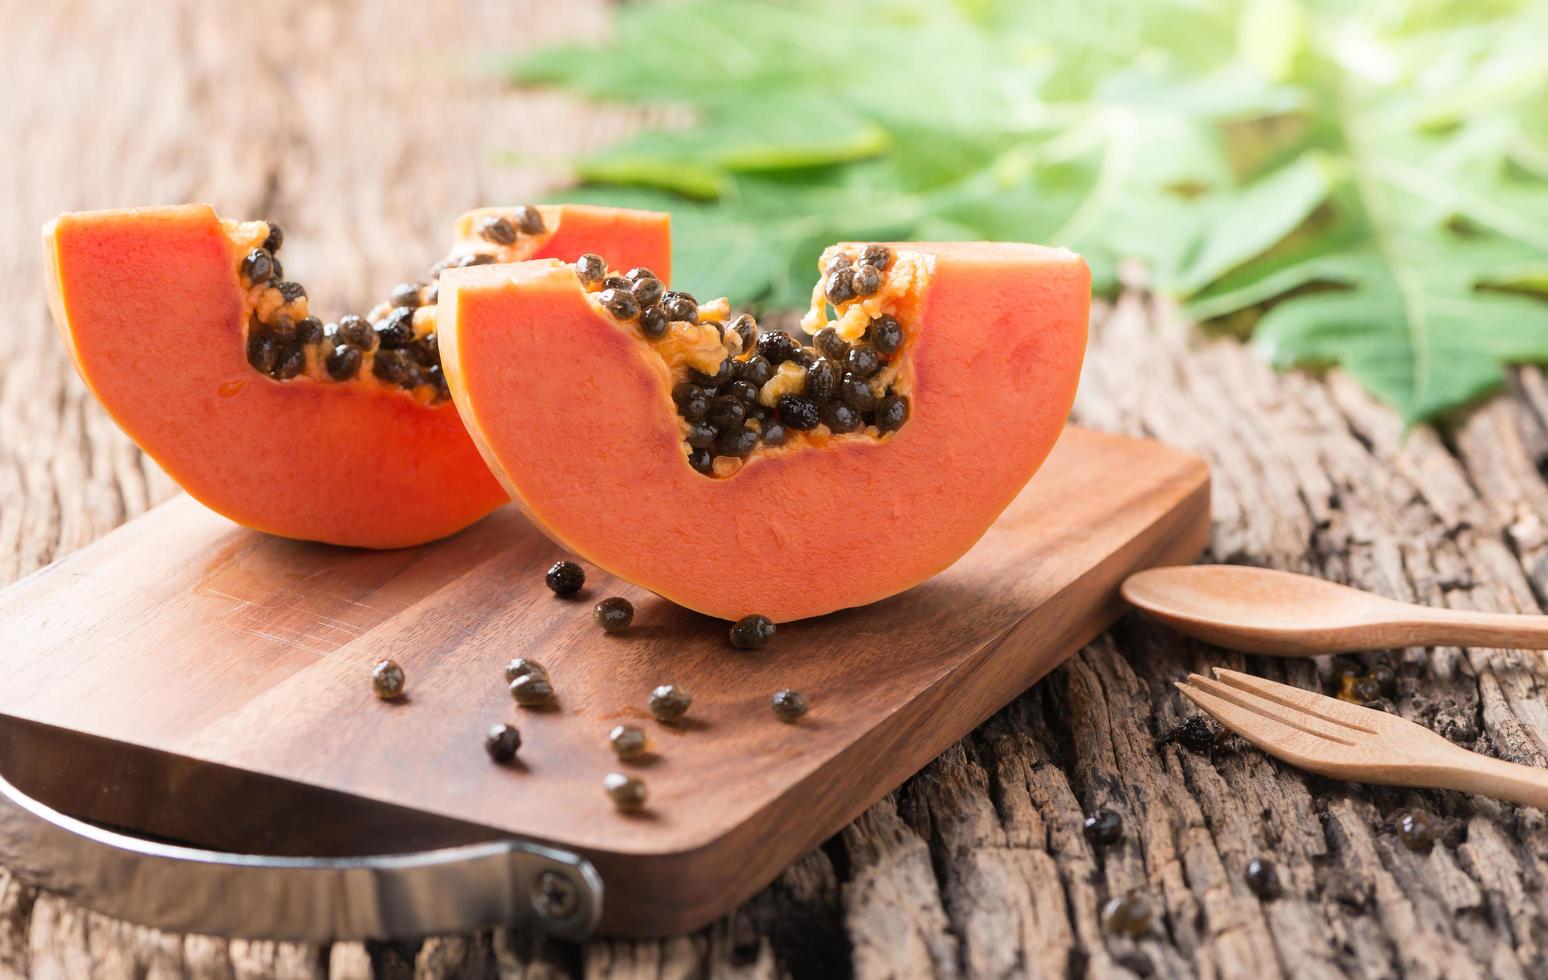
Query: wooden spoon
{"points": [[1259, 610]]}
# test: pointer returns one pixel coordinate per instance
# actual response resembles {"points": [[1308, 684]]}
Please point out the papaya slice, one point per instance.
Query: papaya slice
{"points": [[185, 328], [739, 471]]}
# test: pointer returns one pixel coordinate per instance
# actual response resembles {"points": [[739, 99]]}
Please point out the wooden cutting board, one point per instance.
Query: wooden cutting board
{"points": [[192, 680]]}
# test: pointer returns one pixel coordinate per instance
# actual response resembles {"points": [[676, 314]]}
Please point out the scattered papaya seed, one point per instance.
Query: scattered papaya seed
{"points": [[628, 793], [629, 742], [565, 578], [789, 706], [752, 632], [669, 703], [502, 742], [387, 680], [1128, 915], [523, 667], [532, 691], [1103, 827], [614, 614], [1263, 878]]}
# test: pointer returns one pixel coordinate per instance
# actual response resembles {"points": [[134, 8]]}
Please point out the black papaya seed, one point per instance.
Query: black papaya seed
{"points": [[798, 412], [738, 441], [885, 334], [396, 329], [497, 231], [529, 219], [343, 362]]}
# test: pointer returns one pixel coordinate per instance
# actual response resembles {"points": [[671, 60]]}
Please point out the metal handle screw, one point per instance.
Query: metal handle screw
{"points": [[555, 897]]}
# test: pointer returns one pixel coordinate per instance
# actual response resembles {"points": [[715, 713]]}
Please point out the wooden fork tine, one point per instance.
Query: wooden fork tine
{"points": [[1260, 730], [1331, 710], [1399, 753], [1286, 715]]}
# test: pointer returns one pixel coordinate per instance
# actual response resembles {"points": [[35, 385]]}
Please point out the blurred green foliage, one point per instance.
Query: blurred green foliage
{"points": [[1363, 184]]}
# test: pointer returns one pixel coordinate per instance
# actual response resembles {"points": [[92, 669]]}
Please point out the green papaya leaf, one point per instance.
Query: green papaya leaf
{"points": [[1364, 184]]}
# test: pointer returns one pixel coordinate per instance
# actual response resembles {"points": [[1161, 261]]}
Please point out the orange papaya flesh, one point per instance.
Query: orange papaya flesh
{"points": [[573, 406], [183, 327]]}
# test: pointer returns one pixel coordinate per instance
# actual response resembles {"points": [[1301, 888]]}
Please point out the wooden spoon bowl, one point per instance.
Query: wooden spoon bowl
{"points": [[1260, 610]]}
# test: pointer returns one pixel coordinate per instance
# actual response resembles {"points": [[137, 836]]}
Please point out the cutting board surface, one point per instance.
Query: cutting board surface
{"points": [[219, 654]]}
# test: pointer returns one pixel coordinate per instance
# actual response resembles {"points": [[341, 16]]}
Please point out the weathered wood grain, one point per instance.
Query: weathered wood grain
{"points": [[352, 124]]}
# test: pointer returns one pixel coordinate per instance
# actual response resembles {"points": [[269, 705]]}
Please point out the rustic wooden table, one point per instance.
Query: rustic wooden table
{"points": [[364, 127]]}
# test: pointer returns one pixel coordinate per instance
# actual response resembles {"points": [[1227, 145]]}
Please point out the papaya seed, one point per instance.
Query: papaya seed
{"points": [[746, 328], [396, 329], [258, 266], [830, 344], [862, 361], [619, 302], [739, 442], [629, 742], [757, 370], [292, 361], [262, 352], [752, 632], [788, 706], [387, 680], [590, 268], [726, 411], [628, 793], [776, 346], [614, 614], [654, 323], [878, 256], [744, 391], [885, 334], [669, 703], [501, 743], [405, 294], [856, 393], [356, 332], [389, 366], [426, 350], [680, 306], [821, 380], [565, 578], [518, 667], [840, 418], [702, 435], [309, 330], [839, 288], [343, 362], [529, 220], [532, 690], [497, 231], [798, 413], [866, 280], [647, 292], [891, 413]]}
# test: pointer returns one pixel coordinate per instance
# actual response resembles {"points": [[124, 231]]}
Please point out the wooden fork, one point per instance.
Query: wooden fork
{"points": [[1335, 738]]}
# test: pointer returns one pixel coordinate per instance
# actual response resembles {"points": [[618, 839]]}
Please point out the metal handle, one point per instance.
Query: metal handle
{"points": [[185, 889]]}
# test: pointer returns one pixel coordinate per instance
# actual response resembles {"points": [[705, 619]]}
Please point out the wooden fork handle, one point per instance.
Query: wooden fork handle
{"points": [[1511, 781]]}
